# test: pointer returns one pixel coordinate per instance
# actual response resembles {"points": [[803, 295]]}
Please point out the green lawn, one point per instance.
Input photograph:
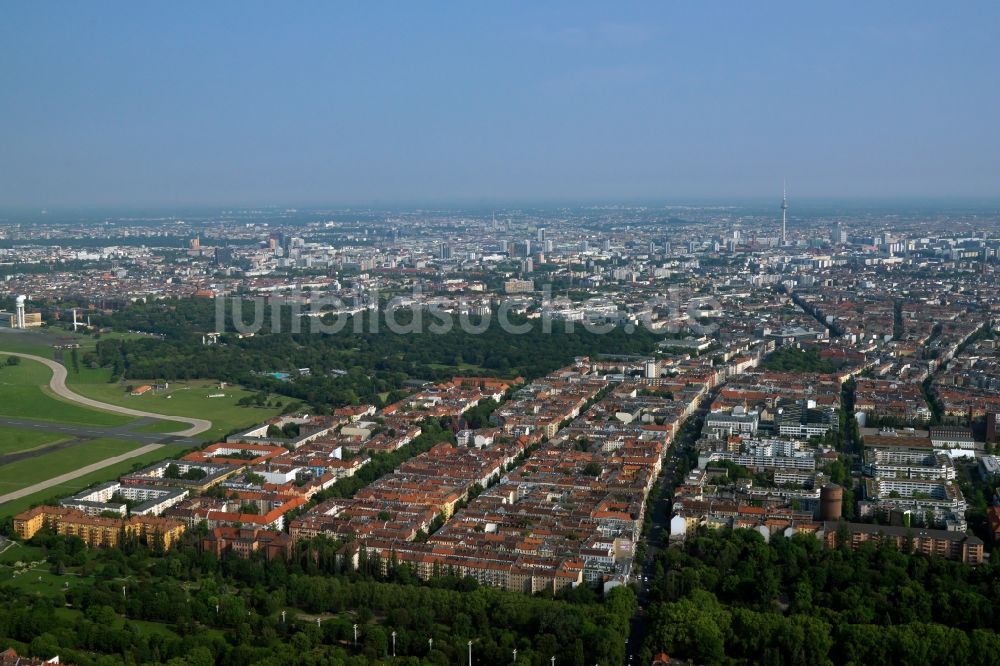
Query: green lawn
{"points": [[105, 474], [38, 343], [40, 580], [27, 472], [182, 399], [159, 427], [188, 398], [19, 552], [24, 393], [14, 439], [143, 626]]}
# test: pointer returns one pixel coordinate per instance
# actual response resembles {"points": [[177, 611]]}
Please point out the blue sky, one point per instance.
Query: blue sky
{"points": [[231, 103]]}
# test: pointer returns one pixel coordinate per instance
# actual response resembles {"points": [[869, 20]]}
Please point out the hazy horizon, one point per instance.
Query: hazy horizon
{"points": [[800, 211], [123, 106]]}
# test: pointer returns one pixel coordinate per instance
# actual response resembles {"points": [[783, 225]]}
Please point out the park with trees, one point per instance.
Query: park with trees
{"points": [[729, 597]]}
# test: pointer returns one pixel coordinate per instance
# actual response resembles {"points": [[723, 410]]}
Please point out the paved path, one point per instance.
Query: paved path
{"points": [[69, 476], [58, 386], [81, 434], [126, 431]]}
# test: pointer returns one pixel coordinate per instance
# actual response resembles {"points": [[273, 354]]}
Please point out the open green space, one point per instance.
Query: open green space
{"points": [[39, 580], [24, 393], [159, 628], [14, 439], [181, 398], [38, 343], [26, 386], [105, 474], [19, 552], [794, 359], [160, 427], [33, 470]]}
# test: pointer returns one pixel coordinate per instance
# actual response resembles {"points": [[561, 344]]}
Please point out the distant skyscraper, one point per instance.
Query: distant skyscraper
{"points": [[223, 256], [839, 235], [784, 212], [541, 236], [444, 251]]}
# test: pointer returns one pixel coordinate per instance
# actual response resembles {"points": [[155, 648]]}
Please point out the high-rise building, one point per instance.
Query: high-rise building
{"points": [[839, 234], [444, 251], [541, 235], [223, 256]]}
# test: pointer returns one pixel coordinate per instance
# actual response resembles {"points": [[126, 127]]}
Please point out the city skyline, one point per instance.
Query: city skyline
{"points": [[513, 334]]}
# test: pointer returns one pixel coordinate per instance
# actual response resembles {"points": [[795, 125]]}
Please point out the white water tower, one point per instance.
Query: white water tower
{"points": [[20, 310]]}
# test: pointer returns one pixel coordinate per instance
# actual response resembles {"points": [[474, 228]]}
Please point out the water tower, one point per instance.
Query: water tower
{"points": [[831, 501], [20, 311]]}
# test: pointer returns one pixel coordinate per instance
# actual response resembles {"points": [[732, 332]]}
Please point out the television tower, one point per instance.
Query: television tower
{"points": [[784, 210]]}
